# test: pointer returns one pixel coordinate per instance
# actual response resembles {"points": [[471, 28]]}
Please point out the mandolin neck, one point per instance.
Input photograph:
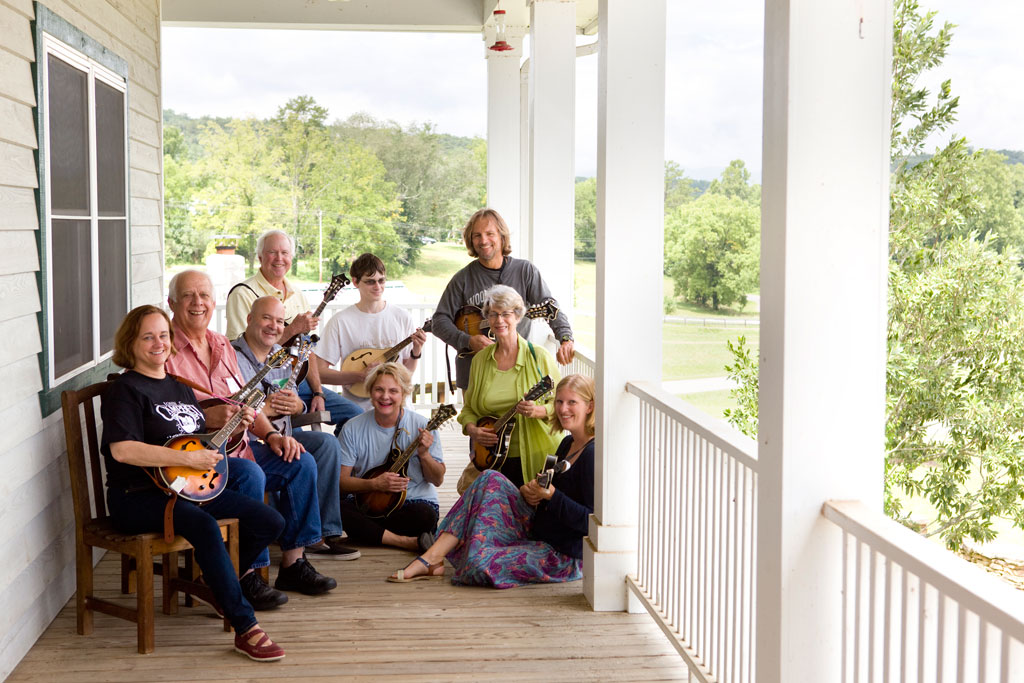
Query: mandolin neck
{"points": [[224, 433]]}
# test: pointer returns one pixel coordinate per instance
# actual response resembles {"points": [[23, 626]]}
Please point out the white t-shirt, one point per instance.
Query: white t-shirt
{"points": [[351, 330], [365, 444]]}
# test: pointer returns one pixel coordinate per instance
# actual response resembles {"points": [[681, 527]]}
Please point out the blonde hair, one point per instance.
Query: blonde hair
{"points": [[396, 370], [499, 223], [583, 387]]}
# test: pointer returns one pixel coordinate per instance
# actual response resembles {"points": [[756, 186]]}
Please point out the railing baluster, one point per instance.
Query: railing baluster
{"points": [[697, 514], [887, 623]]}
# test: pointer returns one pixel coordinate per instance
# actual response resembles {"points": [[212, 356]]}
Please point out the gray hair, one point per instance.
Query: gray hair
{"points": [[172, 286], [263, 238], [505, 298]]}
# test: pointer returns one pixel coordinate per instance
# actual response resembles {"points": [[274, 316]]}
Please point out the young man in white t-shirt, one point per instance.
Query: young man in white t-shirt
{"points": [[372, 323]]}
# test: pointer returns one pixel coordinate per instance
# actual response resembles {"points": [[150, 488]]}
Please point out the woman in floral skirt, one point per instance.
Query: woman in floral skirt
{"points": [[501, 536]]}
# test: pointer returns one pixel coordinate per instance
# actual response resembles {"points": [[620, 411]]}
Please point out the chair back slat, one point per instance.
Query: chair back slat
{"points": [[84, 458]]}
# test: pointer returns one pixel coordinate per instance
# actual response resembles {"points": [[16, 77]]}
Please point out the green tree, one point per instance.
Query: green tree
{"points": [[1000, 192], [586, 219], [955, 366], [242, 192], [735, 183], [678, 188], [713, 249], [440, 180]]}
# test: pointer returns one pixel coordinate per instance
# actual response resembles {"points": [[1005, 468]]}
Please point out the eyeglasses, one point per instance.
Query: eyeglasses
{"points": [[368, 281], [506, 315]]}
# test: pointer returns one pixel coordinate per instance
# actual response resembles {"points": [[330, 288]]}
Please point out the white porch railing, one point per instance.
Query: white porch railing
{"points": [[914, 612], [696, 563], [430, 378]]}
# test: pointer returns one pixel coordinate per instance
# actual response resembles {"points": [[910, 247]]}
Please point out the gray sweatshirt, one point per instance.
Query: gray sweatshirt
{"points": [[467, 287]]}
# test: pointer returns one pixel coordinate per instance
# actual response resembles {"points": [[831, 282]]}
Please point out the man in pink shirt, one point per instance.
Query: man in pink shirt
{"points": [[207, 361]]}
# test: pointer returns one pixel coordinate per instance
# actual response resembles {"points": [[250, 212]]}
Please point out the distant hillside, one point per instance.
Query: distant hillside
{"points": [[1012, 156]]}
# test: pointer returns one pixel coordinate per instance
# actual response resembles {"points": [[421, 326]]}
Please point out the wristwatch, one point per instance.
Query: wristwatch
{"points": [[318, 393], [269, 433], [565, 337]]}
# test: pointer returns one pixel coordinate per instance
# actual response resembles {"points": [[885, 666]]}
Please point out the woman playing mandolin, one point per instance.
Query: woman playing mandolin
{"points": [[141, 410], [369, 442], [501, 374], [501, 536]]}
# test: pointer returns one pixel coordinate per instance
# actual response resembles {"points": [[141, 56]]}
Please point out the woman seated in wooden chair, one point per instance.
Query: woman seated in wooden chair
{"points": [[501, 536], [142, 410]]}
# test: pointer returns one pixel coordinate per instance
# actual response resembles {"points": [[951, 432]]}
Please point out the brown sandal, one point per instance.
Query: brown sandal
{"points": [[399, 576]]}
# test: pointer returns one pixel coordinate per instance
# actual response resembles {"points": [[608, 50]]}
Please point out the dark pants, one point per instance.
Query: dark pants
{"points": [[512, 468], [258, 524], [412, 519]]}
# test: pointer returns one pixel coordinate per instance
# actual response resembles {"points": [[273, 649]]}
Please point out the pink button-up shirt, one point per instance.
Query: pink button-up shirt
{"points": [[223, 377]]}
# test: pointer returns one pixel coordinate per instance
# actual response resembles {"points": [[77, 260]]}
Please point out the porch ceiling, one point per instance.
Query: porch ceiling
{"points": [[359, 15]]}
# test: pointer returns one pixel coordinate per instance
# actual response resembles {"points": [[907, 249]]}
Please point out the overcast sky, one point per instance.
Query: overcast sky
{"points": [[714, 60]]}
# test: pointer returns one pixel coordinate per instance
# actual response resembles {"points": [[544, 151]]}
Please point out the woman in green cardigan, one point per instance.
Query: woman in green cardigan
{"points": [[499, 377]]}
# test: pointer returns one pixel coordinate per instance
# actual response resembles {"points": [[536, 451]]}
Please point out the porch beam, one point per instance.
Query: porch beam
{"points": [[552, 117], [823, 315], [630, 226], [503, 128]]}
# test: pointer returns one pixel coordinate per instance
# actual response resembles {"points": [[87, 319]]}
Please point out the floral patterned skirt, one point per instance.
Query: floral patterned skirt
{"points": [[493, 521]]}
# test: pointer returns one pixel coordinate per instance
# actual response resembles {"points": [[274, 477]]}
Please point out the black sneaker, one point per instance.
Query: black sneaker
{"points": [[259, 594], [302, 577], [332, 545]]}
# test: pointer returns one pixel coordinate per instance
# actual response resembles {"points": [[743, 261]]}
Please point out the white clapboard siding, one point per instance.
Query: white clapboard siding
{"points": [[36, 520]]}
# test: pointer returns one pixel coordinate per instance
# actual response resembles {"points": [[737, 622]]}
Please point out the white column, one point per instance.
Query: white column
{"points": [[630, 217], [823, 315], [552, 91], [503, 153], [523, 246]]}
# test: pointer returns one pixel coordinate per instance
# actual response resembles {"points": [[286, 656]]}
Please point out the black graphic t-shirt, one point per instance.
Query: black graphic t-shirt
{"points": [[140, 408]]}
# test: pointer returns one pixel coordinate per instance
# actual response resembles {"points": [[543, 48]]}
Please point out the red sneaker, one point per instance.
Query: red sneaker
{"points": [[257, 646]]}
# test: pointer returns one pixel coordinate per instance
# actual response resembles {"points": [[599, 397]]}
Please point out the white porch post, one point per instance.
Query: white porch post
{"points": [[630, 217], [823, 315], [503, 153], [552, 91]]}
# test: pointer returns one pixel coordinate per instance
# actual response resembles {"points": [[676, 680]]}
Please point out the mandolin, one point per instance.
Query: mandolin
{"points": [[201, 486], [382, 503], [337, 282], [493, 457], [359, 361], [471, 320], [274, 360]]}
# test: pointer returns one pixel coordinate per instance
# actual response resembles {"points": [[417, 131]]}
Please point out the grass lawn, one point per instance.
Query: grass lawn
{"points": [[713, 403]]}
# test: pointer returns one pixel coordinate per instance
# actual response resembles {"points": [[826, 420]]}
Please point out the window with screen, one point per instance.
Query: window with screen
{"points": [[83, 159]]}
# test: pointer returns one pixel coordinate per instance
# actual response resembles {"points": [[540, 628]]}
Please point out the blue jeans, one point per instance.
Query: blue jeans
{"points": [[326, 451], [342, 410], [296, 482], [259, 524]]}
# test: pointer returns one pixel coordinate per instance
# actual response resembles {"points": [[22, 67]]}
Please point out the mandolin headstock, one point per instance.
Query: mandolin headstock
{"points": [[444, 413], [539, 389], [337, 282], [545, 310]]}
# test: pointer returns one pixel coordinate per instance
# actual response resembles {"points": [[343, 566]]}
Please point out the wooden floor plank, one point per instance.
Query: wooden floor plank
{"points": [[371, 629]]}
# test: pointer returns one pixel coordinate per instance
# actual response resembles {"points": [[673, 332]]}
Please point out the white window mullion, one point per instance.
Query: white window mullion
{"points": [[94, 223]]}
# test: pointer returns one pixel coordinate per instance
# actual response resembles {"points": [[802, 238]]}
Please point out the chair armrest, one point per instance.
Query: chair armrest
{"points": [[310, 418]]}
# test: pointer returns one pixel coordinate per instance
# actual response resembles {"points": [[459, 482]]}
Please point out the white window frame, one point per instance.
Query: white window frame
{"points": [[94, 72]]}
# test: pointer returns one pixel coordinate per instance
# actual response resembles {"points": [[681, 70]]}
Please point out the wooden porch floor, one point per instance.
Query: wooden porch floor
{"points": [[368, 628]]}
